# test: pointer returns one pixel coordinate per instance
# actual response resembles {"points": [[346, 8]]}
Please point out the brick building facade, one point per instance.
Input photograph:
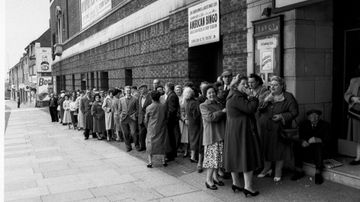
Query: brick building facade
{"points": [[157, 49]]}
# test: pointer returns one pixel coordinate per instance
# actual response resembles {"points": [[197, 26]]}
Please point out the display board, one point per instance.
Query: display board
{"points": [[92, 10]]}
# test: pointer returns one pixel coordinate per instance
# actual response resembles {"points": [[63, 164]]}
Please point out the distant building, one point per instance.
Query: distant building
{"points": [[31, 78]]}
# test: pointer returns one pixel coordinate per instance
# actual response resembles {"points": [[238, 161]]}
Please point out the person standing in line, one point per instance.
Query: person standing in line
{"points": [[109, 114], [67, 115], [277, 112], [115, 109], [73, 112], [352, 97], [156, 83], [193, 115], [53, 108], [144, 101], [18, 100], [157, 142], [80, 117], [183, 123], [242, 144], [213, 118], [60, 103], [86, 103], [173, 108], [98, 117], [225, 78], [128, 118]]}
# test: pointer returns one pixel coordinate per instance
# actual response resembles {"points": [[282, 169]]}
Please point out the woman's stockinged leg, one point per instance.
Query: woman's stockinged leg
{"points": [[209, 176], [235, 179]]}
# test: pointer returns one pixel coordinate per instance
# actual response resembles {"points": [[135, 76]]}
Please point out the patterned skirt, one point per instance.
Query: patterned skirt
{"points": [[213, 155]]}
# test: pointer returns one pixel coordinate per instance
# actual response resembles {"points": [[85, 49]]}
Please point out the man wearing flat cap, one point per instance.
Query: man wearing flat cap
{"points": [[314, 136]]}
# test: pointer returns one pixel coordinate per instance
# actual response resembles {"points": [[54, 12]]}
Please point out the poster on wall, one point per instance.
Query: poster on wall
{"points": [[92, 10], [43, 60], [268, 47], [204, 23], [44, 83]]}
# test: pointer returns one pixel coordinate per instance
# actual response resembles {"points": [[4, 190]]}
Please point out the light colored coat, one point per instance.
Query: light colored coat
{"points": [[109, 114]]}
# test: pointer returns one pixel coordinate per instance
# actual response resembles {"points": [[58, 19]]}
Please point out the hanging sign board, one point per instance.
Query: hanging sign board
{"points": [[204, 23], [43, 60]]}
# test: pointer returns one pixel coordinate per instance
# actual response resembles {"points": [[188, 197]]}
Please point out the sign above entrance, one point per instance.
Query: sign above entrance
{"points": [[204, 26], [283, 5]]}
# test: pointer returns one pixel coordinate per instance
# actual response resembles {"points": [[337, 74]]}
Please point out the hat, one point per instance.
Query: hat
{"points": [[226, 73], [143, 85], [316, 111]]}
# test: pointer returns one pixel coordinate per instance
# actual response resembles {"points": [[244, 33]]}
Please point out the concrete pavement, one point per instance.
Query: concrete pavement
{"points": [[45, 161]]}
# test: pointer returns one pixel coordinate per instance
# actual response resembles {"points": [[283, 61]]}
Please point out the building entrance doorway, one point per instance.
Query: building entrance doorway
{"points": [[205, 62]]}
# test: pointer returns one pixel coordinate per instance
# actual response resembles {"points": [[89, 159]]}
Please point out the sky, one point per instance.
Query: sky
{"points": [[25, 21]]}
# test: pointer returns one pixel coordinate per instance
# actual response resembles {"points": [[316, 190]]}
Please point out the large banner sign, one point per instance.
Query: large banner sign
{"points": [[204, 26], [44, 82], [43, 60], [92, 10]]}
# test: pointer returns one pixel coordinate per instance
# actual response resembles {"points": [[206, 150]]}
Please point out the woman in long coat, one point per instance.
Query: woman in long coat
{"points": [[193, 115], [155, 120], [115, 108], [109, 114], [183, 123], [242, 145], [213, 117], [352, 97], [277, 111], [67, 115], [81, 118], [98, 117]]}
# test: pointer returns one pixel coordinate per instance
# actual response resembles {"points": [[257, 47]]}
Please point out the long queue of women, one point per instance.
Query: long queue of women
{"points": [[232, 125]]}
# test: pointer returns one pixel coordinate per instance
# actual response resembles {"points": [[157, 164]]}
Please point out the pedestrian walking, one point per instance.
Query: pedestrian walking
{"points": [[157, 142], [277, 112], [213, 117], [67, 115], [242, 145]]}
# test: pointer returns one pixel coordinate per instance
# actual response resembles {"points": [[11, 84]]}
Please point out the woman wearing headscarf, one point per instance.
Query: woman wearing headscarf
{"points": [[98, 117]]}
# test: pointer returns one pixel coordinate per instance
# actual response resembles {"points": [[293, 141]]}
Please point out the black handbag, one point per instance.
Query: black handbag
{"points": [[354, 111], [290, 133]]}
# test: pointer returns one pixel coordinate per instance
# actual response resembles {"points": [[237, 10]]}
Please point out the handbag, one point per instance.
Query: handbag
{"points": [[292, 133], [354, 111]]}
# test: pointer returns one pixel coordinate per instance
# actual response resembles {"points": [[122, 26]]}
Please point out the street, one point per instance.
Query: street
{"points": [[46, 161]]}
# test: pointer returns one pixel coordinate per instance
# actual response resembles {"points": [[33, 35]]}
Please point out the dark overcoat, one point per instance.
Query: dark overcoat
{"points": [[193, 113], [241, 145], [274, 147], [98, 117], [85, 108]]}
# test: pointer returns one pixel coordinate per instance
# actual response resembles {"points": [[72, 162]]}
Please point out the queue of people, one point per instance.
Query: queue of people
{"points": [[235, 126]]}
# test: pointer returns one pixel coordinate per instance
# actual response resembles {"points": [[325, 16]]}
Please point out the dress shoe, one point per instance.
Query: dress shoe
{"points": [[264, 174], [319, 178], [247, 192], [234, 188], [149, 165], [277, 179], [165, 164], [199, 169], [140, 149], [297, 175], [220, 183], [193, 161], [213, 187], [354, 162]]}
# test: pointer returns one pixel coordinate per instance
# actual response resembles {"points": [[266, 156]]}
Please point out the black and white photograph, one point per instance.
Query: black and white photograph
{"points": [[180, 100]]}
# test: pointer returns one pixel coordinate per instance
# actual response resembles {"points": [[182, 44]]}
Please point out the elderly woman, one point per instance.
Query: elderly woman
{"points": [[277, 111], [242, 145], [257, 88], [193, 115], [98, 117], [157, 141], [109, 114], [352, 97], [183, 120], [213, 117]]}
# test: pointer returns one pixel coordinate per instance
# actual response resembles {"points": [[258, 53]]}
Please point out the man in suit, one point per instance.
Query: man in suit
{"points": [[85, 108], [143, 102], [53, 108], [128, 117], [173, 115]]}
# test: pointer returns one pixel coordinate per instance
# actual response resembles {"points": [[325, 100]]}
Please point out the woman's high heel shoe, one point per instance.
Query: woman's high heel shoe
{"points": [[247, 192], [149, 165], [234, 188], [267, 173], [213, 187]]}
